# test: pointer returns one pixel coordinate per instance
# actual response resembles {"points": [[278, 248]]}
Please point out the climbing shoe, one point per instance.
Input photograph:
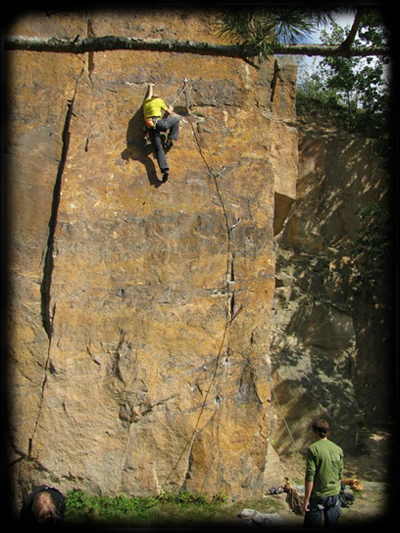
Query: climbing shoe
{"points": [[165, 176]]}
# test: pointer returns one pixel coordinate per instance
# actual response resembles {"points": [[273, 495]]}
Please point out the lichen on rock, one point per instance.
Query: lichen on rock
{"points": [[152, 372]]}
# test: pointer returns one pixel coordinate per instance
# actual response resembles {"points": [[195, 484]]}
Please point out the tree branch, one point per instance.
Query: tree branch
{"points": [[329, 50], [345, 47], [109, 43]]}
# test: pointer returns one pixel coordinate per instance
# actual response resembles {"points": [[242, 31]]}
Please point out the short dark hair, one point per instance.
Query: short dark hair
{"points": [[321, 427]]}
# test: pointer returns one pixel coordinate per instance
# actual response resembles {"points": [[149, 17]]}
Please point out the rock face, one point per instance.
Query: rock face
{"points": [[325, 342], [164, 336], [139, 314]]}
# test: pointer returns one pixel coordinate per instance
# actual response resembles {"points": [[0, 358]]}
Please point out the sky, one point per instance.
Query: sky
{"points": [[307, 65], [343, 19]]}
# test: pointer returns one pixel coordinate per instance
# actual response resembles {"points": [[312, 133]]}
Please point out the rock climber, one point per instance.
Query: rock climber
{"points": [[45, 506], [160, 118], [324, 469]]}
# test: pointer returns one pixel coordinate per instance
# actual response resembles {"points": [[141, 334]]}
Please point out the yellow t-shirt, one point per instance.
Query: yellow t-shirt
{"points": [[153, 107]]}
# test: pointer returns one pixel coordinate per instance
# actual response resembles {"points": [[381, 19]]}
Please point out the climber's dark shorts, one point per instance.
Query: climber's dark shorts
{"points": [[323, 506]]}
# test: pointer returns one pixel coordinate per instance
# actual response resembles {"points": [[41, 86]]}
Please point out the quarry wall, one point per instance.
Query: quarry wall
{"points": [[160, 334], [139, 312]]}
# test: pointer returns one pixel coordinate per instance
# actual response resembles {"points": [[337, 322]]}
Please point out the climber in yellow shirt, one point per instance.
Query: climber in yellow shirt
{"points": [[153, 106], [160, 118]]}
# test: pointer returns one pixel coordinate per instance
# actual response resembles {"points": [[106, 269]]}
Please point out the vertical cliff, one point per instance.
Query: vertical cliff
{"points": [[139, 313], [331, 347]]}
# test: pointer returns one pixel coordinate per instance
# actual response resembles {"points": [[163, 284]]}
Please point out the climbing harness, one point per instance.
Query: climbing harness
{"points": [[151, 123]]}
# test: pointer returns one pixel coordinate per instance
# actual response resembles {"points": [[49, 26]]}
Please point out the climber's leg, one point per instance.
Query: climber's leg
{"points": [[159, 150], [173, 124], [170, 123]]}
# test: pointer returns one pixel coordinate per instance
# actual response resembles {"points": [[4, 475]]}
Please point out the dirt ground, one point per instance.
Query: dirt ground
{"points": [[372, 464]]}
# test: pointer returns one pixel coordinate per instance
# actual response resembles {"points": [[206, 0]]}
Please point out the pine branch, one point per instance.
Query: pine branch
{"points": [[109, 43]]}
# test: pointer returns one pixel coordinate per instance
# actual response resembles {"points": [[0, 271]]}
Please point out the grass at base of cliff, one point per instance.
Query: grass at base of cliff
{"points": [[171, 510]]}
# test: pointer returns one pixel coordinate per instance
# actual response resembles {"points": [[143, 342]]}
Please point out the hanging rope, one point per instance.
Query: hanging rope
{"points": [[255, 342], [185, 82], [230, 318], [203, 405], [288, 428]]}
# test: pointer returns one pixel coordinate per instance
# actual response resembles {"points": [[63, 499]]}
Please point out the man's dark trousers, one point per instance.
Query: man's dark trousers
{"points": [[170, 123], [323, 506]]}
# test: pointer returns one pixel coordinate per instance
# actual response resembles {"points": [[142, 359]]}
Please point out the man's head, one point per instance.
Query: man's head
{"points": [[321, 428]]}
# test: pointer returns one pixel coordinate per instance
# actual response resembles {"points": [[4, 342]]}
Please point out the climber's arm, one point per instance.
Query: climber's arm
{"points": [[150, 91], [309, 485]]}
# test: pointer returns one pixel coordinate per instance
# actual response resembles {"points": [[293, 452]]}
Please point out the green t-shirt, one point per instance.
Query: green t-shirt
{"points": [[153, 107], [324, 467]]}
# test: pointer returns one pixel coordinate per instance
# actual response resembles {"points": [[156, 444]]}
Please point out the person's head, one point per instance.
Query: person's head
{"points": [[321, 428], [44, 509]]}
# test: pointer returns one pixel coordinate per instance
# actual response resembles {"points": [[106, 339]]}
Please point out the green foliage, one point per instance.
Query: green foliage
{"points": [[259, 27], [121, 509], [374, 239], [84, 508], [357, 88], [373, 251], [185, 498]]}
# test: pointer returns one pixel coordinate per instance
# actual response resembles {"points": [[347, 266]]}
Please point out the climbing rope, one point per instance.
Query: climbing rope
{"points": [[230, 317], [228, 321], [295, 501], [288, 428], [185, 84], [203, 405]]}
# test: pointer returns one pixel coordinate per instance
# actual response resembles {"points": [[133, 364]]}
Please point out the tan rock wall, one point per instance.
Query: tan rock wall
{"points": [[328, 358], [140, 314]]}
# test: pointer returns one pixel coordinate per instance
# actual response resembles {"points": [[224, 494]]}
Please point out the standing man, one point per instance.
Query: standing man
{"points": [[158, 117], [324, 472]]}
